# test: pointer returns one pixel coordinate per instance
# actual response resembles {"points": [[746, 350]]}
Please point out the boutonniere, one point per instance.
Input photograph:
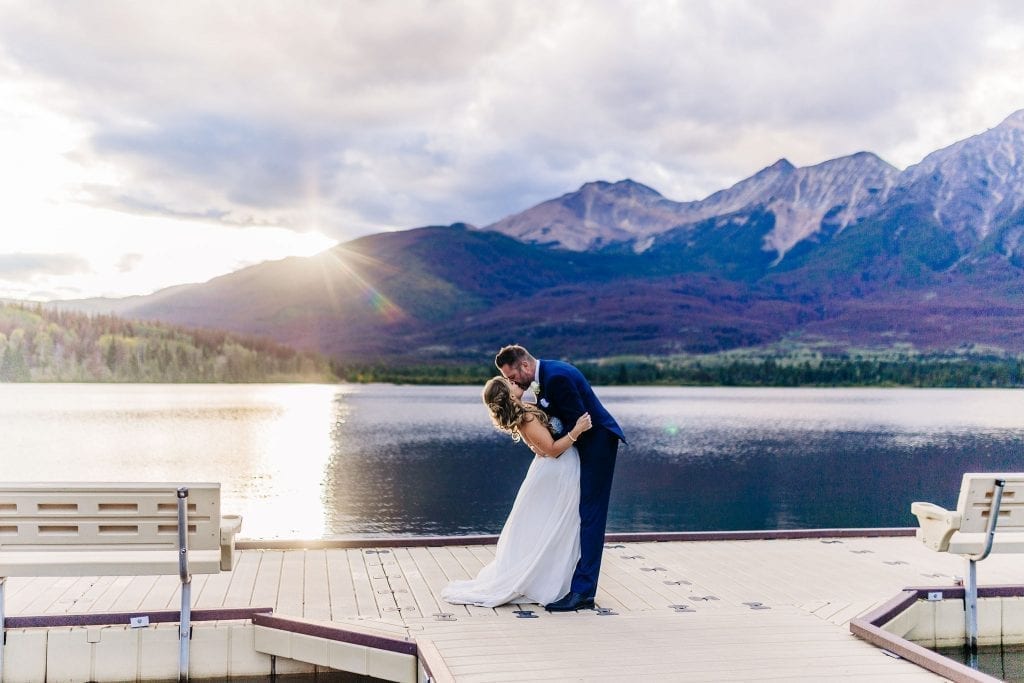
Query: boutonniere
{"points": [[535, 387], [544, 403]]}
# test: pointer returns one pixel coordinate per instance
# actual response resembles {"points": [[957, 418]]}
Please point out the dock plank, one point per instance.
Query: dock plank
{"points": [[72, 595], [86, 601], [108, 597], [416, 582], [268, 577], [340, 585], [131, 598], [366, 601], [316, 595], [214, 591], [42, 601], [435, 579], [165, 593], [243, 580], [292, 585]]}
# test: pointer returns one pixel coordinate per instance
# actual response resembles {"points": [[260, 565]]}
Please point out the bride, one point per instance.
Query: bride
{"points": [[540, 542]]}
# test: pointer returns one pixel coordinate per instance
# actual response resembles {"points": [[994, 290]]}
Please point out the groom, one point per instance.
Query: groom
{"points": [[563, 392]]}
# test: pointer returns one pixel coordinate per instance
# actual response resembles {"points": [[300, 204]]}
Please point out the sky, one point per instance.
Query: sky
{"points": [[146, 143]]}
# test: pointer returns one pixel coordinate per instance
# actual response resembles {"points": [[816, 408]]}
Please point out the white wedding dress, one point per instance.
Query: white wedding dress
{"points": [[539, 544]]}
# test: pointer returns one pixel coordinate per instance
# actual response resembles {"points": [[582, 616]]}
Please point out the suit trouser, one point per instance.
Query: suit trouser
{"points": [[597, 465]]}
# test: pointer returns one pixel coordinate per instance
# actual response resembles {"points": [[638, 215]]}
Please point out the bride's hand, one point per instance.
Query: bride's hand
{"points": [[582, 425]]}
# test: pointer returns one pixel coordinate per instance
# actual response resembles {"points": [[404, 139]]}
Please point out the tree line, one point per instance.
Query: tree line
{"points": [[39, 344], [908, 371], [936, 372]]}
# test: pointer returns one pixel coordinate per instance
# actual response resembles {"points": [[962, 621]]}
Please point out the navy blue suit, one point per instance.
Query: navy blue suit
{"points": [[566, 394]]}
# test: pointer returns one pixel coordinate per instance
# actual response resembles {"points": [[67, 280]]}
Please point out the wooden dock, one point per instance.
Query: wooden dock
{"points": [[721, 610]]}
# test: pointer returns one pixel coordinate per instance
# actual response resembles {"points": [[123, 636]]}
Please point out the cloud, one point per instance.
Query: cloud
{"points": [[129, 262], [28, 266], [355, 116]]}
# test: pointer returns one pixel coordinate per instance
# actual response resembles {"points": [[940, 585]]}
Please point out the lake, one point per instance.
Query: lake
{"points": [[312, 461]]}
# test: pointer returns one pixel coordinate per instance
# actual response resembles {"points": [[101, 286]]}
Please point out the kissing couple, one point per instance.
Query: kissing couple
{"points": [[549, 551]]}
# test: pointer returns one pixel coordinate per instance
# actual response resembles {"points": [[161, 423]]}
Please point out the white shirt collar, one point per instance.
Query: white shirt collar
{"points": [[536, 372]]}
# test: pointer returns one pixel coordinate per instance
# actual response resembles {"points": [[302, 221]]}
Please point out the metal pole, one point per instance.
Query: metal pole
{"points": [[3, 633], [185, 618], [971, 589], [971, 605]]}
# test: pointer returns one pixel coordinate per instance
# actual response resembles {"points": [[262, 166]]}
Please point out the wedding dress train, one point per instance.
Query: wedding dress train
{"points": [[539, 544]]}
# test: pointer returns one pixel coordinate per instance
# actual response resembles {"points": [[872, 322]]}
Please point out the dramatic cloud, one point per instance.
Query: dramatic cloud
{"points": [[347, 117]]}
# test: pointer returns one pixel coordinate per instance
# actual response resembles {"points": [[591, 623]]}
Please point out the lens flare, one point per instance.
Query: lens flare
{"points": [[343, 261]]}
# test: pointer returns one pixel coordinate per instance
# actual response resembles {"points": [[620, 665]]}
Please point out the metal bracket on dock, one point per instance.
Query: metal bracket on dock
{"points": [[682, 608], [605, 612], [756, 605], [524, 614], [444, 616]]}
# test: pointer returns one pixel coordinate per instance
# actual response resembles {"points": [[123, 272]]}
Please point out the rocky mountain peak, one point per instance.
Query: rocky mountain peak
{"points": [[842, 189], [598, 213], [622, 188], [1014, 120], [781, 166], [973, 186]]}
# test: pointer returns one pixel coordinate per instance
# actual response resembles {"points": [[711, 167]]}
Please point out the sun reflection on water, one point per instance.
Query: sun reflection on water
{"points": [[266, 444], [282, 493]]}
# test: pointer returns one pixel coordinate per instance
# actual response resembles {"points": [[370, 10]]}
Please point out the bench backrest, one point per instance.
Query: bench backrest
{"points": [[106, 516], [976, 493]]}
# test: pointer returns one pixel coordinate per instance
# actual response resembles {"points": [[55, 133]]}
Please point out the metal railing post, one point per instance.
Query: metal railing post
{"points": [[185, 617], [971, 605], [3, 633], [971, 589]]}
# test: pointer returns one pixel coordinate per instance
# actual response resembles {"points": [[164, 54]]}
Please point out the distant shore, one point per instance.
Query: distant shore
{"points": [[932, 371]]}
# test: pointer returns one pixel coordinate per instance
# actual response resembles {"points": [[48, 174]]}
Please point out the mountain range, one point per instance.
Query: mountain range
{"points": [[847, 254]]}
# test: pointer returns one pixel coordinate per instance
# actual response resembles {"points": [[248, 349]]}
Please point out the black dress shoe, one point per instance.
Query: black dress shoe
{"points": [[570, 603]]}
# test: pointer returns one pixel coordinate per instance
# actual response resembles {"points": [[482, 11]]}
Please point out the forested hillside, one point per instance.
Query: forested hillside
{"points": [[42, 345]]}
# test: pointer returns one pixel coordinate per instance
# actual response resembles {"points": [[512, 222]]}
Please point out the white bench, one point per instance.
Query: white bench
{"points": [[989, 518], [115, 529]]}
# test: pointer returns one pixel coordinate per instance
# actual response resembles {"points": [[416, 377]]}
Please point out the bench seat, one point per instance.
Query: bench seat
{"points": [[974, 544], [962, 531], [104, 561]]}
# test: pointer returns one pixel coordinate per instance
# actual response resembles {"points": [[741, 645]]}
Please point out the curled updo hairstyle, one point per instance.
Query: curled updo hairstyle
{"points": [[507, 412]]}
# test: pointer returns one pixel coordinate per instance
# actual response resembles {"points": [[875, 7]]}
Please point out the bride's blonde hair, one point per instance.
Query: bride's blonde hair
{"points": [[508, 412]]}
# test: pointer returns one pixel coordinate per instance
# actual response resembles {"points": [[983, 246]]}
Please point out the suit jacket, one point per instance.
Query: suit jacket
{"points": [[566, 394]]}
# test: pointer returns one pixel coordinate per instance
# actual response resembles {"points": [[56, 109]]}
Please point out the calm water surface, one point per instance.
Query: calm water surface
{"points": [[357, 460]]}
